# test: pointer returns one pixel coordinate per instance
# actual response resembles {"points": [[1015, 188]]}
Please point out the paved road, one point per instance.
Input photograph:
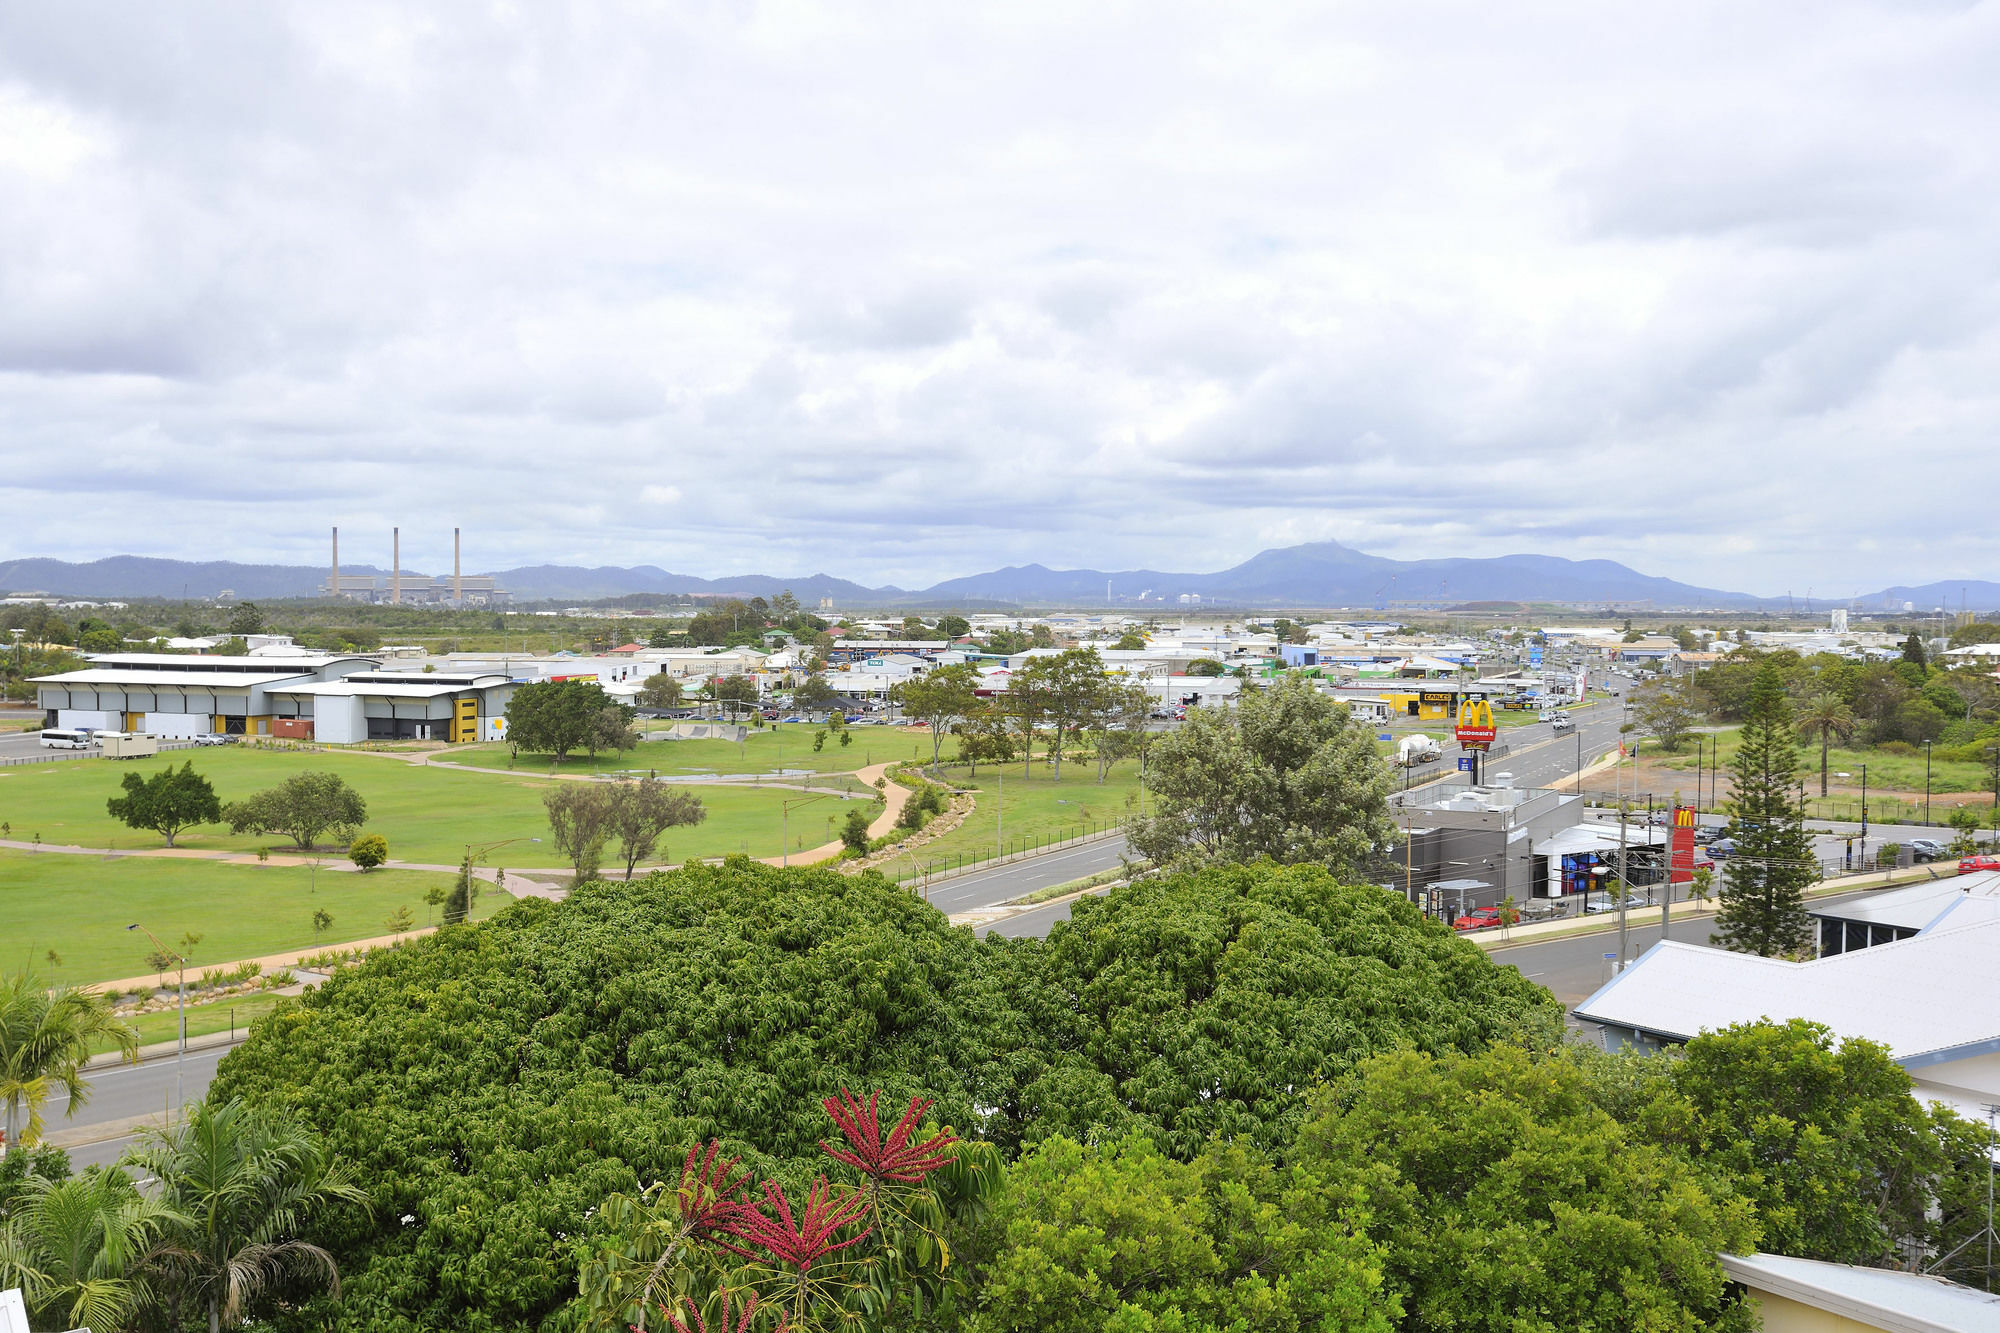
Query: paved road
{"points": [[986, 888], [1575, 966], [118, 1094]]}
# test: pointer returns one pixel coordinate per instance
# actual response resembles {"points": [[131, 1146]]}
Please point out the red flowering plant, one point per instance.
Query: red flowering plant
{"points": [[844, 1252]]}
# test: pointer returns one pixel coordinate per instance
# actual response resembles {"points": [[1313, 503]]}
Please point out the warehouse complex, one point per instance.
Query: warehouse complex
{"points": [[335, 699]]}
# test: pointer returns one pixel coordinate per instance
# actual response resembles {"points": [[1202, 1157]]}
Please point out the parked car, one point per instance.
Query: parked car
{"points": [[1722, 847], [1479, 918], [1604, 902], [1926, 849], [1968, 864], [213, 738]]}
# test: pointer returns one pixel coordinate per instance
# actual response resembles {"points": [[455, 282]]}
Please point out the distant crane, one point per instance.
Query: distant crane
{"points": [[1381, 604]]}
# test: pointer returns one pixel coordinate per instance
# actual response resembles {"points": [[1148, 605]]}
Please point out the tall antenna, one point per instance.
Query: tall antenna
{"points": [[333, 588], [396, 565], [1988, 1234]]}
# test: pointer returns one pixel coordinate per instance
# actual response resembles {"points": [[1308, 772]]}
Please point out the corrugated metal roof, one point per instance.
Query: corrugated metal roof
{"points": [[1875, 1297], [1956, 901], [120, 677], [1925, 996], [341, 689]]}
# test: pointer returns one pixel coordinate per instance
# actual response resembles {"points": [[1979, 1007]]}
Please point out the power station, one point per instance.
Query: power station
{"points": [[456, 589]]}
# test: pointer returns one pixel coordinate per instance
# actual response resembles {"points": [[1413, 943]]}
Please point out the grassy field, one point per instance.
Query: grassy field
{"points": [[428, 815], [236, 1013], [1038, 809], [79, 907], [786, 745], [1893, 774]]}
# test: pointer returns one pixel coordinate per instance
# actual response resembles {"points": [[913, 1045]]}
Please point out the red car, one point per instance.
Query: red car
{"points": [[1479, 918], [1968, 864]]}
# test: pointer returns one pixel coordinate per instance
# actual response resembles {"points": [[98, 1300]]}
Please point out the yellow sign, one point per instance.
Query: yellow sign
{"points": [[1475, 724]]}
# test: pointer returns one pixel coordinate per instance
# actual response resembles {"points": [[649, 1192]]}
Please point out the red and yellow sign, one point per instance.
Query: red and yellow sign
{"points": [[1681, 849], [1475, 725]]}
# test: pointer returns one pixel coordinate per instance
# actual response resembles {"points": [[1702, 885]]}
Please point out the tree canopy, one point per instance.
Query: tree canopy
{"points": [[555, 717], [1285, 775], [168, 803], [302, 807], [562, 1052]]}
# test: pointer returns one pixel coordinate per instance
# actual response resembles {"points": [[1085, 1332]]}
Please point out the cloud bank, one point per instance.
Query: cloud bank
{"points": [[905, 292]]}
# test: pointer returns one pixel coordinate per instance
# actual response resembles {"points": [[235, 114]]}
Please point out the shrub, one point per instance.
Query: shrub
{"points": [[369, 850]]}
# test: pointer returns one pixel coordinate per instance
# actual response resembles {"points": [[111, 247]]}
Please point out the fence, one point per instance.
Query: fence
{"points": [[905, 869], [1884, 811], [58, 756]]}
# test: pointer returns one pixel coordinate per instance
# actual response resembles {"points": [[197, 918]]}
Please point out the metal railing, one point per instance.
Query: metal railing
{"points": [[950, 866]]}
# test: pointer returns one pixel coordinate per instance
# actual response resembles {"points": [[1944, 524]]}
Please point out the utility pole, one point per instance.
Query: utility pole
{"points": [[1624, 882]]}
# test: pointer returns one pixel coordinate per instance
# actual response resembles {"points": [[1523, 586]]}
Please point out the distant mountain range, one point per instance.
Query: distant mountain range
{"points": [[1317, 574]]}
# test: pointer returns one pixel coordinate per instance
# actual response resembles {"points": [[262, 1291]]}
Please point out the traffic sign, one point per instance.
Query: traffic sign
{"points": [[1465, 763]]}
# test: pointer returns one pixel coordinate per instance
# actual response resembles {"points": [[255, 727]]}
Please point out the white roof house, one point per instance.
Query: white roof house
{"points": [[1809, 1294], [1932, 999]]}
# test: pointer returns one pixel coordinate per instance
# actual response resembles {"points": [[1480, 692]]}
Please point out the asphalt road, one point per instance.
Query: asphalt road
{"points": [[987, 888], [1575, 966], [118, 1093]]}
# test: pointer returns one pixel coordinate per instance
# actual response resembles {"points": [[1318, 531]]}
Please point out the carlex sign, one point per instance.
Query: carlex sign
{"points": [[1475, 724]]}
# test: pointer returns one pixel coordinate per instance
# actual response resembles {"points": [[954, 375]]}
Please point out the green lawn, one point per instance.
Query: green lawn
{"points": [[428, 815], [786, 745], [1038, 809], [236, 1013], [79, 906]]}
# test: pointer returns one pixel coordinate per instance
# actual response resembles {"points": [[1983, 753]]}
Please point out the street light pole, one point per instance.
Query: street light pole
{"points": [[180, 1047], [1927, 782]]}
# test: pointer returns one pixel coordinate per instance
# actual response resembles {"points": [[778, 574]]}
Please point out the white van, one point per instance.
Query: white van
{"points": [[64, 739]]}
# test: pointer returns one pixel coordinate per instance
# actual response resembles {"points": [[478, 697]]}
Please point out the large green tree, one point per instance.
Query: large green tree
{"points": [[1286, 775], [46, 1035], [559, 1053], [554, 717], [940, 699], [168, 803], [302, 807], [1504, 1199], [1761, 905], [1118, 1235]]}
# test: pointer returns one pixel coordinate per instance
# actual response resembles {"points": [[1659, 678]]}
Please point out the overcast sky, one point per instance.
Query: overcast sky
{"points": [[902, 293]]}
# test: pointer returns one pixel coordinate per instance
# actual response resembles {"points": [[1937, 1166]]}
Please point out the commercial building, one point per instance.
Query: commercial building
{"points": [[397, 706], [1884, 918], [175, 695]]}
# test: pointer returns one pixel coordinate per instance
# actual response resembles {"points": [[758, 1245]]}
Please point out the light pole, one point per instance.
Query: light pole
{"points": [[1864, 816], [1927, 782], [785, 823], [180, 1047], [474, 854]]}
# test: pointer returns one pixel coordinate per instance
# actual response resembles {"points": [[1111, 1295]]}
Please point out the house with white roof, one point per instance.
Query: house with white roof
{"points": [[1932, 999]]}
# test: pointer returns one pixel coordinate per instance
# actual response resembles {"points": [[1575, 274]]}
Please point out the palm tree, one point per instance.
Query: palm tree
{"points": [[45, 1038], [1830, 717], [79, 1249], [243, 1185]]}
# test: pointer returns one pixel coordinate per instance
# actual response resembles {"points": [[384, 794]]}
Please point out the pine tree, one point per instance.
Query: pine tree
{"points": [[1761, 907]]}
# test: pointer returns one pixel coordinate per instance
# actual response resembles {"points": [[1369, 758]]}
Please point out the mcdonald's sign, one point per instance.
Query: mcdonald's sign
{"points": [[1475, 730], [1680, 847]]}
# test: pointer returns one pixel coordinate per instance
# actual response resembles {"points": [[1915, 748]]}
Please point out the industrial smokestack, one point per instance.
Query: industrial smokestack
{"points": [[457, 588], [396, 565], [333, 588]]}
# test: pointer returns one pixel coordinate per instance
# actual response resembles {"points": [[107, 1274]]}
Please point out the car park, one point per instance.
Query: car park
{"points": [[1926, 849]]}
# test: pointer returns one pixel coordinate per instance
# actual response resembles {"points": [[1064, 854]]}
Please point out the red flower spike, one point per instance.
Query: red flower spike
{"points": [[802, 1242], [744, 1314], [898, 1159], [708, 1180]]}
